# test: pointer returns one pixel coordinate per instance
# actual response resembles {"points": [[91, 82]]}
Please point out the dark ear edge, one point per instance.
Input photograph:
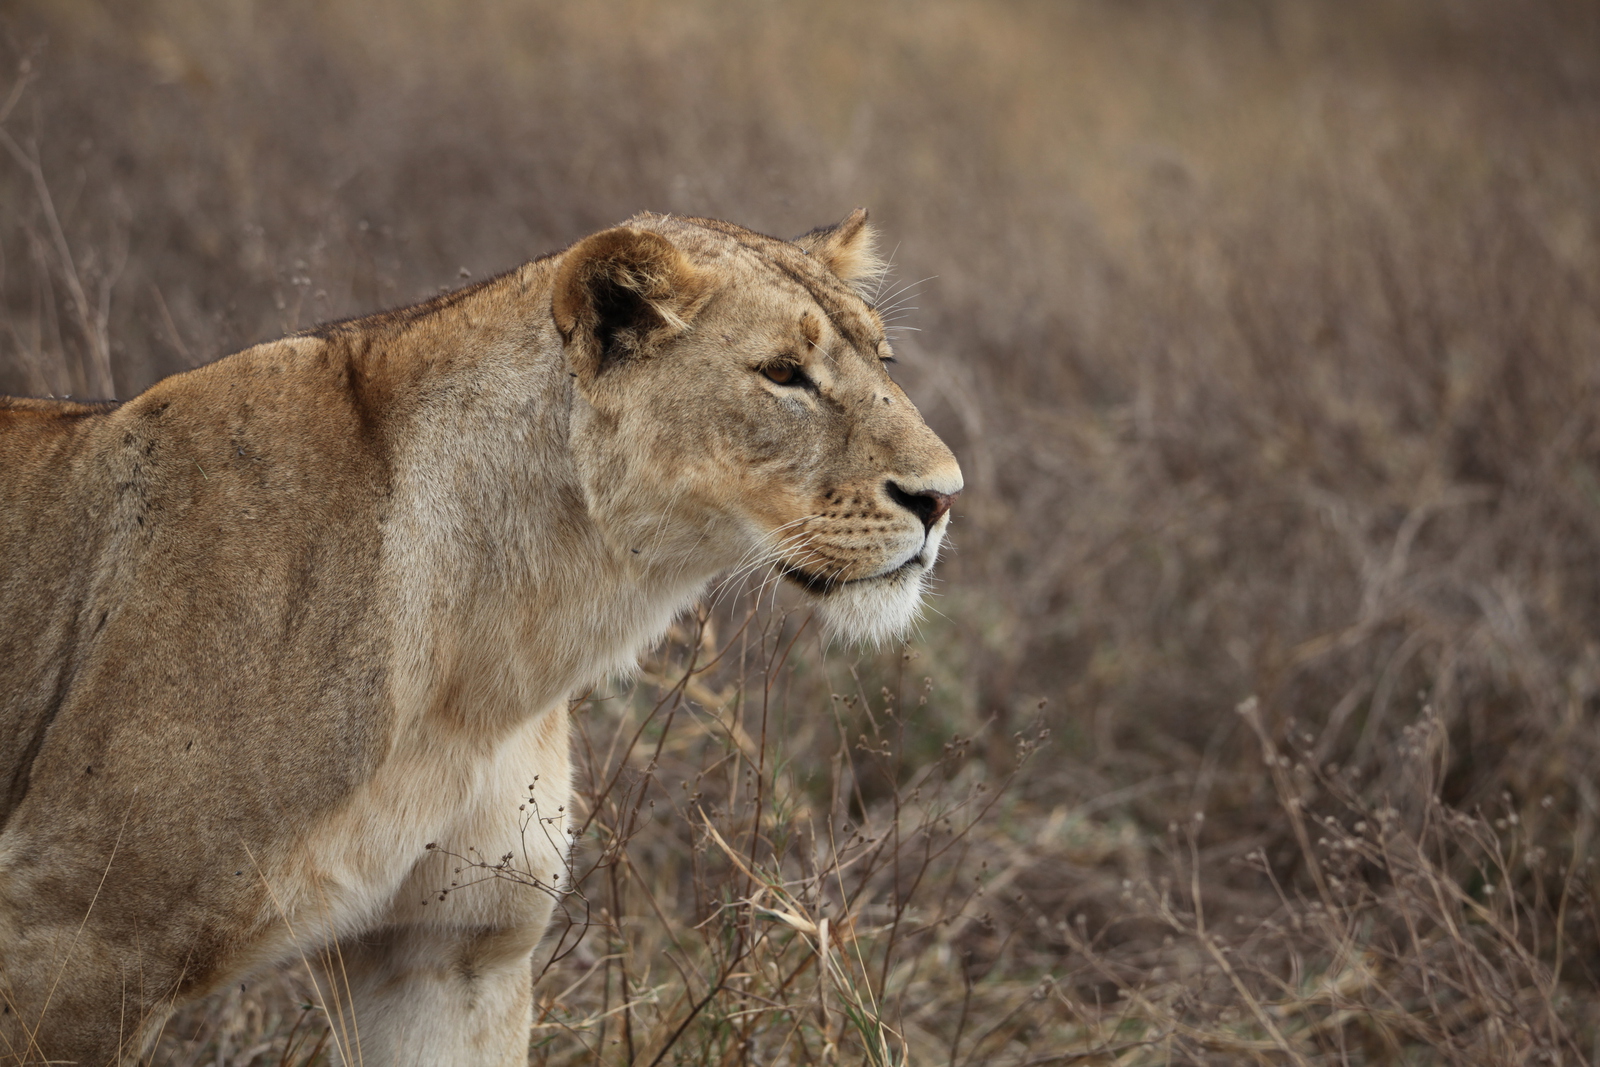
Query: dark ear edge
{"points": [[619, 293], [848, 248]]}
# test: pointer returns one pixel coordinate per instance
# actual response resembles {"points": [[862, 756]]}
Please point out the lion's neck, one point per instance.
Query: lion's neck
{"points": [[507, 591]]}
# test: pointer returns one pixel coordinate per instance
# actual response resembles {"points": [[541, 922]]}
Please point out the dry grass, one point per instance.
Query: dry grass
{"points": [[1267, 335]]}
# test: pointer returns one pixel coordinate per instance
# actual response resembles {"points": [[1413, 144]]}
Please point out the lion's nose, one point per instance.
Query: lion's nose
{"points": [[926, 505]]}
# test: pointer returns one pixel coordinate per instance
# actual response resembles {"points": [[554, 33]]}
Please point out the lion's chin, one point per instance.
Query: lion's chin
{"points": [[875, 611]]}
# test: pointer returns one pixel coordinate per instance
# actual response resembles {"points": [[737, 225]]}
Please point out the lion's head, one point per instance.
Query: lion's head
{"points": [[738, 412]]}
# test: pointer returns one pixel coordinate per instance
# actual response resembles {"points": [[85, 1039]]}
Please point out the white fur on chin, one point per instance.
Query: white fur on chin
{"points": [[873, 613], [876, 612]]}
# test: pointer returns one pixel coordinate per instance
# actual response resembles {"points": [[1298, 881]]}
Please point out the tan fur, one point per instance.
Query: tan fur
{"points": [[277, 624], [849, 249]]}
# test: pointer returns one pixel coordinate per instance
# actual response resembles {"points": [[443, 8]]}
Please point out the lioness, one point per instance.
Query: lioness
{"points": [[276, 625]]}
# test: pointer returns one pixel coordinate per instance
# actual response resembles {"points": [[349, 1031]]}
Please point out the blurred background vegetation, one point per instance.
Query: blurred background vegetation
{"points": [[1267, 333]]}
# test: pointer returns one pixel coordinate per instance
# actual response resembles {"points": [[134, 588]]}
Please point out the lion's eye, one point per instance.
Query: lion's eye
{"points": [[783, 374]]}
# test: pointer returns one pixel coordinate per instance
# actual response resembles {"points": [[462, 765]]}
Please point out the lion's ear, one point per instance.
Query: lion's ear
{"points": [[619, 293], [849, 249]]}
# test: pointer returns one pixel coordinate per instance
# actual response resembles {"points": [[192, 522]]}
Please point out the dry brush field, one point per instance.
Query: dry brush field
{"points": [[1257, 717]]}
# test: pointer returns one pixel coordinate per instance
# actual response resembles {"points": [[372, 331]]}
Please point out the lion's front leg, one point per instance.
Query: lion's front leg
{"points": [[433, 997], [449, 982], [445, 977]]}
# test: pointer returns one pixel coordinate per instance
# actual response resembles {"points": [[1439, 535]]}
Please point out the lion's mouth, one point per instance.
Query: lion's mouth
{"points": [[822, 585]]}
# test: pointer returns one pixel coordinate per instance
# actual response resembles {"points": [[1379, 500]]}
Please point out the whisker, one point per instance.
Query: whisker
{"points": [[905, 289], [883, 275], [766, 552]]}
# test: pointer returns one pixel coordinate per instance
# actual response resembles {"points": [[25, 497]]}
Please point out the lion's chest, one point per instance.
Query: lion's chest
{"points": [[370, 865]]}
